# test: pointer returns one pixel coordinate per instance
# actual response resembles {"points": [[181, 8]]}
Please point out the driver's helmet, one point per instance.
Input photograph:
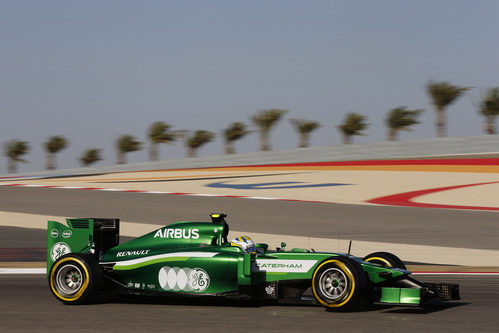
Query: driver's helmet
{"points": [[245, 243]]}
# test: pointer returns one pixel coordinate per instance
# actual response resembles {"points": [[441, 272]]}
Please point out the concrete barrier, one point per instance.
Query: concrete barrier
{"points": [[474, 146]]}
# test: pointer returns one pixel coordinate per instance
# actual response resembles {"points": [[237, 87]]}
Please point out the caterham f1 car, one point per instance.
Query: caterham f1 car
{"points": [[84, 259]]}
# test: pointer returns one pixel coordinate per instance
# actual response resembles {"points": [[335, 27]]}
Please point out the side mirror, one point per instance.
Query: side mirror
{"points": [[283, 246], [263, 246]]}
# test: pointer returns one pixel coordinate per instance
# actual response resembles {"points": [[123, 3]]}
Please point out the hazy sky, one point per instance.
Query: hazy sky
{"points": [[92, 70]]}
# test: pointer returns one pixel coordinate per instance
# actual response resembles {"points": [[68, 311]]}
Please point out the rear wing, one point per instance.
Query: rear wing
{"points": [[81, 235]]}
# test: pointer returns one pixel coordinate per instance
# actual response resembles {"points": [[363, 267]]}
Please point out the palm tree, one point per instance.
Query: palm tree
{"points": [[126, 144], [489, 108], [199, 138], [353, 124], [52, 146], [443, 94], [90, 156], [234, 132], [304, 128], [265, 120], [14, 149], [399, 119], [159, 132]]}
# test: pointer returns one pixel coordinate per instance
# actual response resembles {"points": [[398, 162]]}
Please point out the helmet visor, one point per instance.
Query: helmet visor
{"points": [[251, 248]]}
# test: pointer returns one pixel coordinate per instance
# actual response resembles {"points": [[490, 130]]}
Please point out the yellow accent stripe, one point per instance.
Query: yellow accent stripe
{"points": [[119, 267], [241, 171], [407, 167], [83, 287], [421, 168]]}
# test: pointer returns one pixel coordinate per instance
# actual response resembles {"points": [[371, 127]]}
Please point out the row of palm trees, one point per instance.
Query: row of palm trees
{"points": [[442, 94]]}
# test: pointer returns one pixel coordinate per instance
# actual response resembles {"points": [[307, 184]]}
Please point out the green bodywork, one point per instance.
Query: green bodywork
{"points": [[74, 236], [410, 296], [195, 258]]}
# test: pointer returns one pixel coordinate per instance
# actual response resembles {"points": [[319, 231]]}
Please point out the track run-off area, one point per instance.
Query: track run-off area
{"points": [[439, 215], [438, 211]]}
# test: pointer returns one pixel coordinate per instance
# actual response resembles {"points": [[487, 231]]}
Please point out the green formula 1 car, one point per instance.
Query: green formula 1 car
{"points": [[84, 258]]}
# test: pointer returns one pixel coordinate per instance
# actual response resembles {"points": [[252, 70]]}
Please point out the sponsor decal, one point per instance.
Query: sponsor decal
{"points": [[139, 285], [54, 233], [144, 261], [131, 253], [282, 266], [177, 233], [183, 279], [199, 280], [58, 250], [67, 233], [269, 289]]}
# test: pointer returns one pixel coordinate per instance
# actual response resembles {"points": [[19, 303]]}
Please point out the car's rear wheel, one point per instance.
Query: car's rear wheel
{"points": [[75, 278], [385, 259], [339, 283]]}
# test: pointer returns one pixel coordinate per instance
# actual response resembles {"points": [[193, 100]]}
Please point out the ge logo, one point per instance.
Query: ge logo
{"points": [[58, 250], [198, 279]]}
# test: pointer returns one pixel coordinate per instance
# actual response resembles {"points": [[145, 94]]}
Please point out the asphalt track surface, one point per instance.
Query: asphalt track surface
{"points": [[27, 306], [421, 226]]}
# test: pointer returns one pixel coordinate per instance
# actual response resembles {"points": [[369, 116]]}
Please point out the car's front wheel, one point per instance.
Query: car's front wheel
{"points": [[339, 284], [385, 259], [75, 278]]}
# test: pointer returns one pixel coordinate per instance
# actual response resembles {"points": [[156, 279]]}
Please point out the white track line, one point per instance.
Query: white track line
{"points": [[5, 271], [154, 192]]}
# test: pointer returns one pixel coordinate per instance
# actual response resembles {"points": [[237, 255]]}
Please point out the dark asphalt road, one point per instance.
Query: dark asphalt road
{"points": [[26, 305], [440, 227]]}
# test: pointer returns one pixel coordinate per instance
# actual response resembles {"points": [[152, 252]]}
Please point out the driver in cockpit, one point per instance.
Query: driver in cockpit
{"points": [[245, 243]]}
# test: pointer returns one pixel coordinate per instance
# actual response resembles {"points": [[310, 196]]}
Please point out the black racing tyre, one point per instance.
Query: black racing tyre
{"points": [[75, 278], [385, 259], [339, 283]]}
